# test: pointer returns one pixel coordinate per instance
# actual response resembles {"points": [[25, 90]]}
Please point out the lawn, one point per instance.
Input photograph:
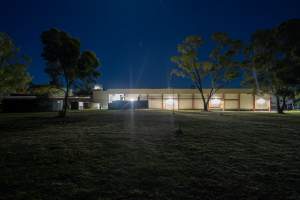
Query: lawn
{"points": [[142, 155]]}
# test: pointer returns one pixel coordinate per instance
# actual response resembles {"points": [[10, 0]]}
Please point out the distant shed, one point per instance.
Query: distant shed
{"points": [[30, 104]]}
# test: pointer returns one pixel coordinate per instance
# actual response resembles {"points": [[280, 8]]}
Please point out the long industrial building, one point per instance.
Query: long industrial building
{"points": [[180, 99]]}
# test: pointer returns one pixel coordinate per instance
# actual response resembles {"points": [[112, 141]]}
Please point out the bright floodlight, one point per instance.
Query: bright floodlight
{"points": [[261, 101], [170, 102], [215, 102]]}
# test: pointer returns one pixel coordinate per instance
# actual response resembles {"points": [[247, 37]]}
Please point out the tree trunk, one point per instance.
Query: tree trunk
{"points": [[65, 103], [280, 108], [283, 105], [254, 74], [205, 106], [279, 111]]}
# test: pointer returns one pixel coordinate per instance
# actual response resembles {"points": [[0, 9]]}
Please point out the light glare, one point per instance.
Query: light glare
{"points": [[261, 101], [170, 102], [97, 87], [215, 102]]}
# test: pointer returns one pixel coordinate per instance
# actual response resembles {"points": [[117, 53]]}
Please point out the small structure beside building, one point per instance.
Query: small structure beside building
{"points": [[31, 103], [28, 103]]}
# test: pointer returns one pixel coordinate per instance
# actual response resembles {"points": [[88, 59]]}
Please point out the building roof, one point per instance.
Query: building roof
{"points": [[175, 90]]}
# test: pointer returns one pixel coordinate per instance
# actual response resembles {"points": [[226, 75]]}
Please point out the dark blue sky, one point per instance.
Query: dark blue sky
{"points": [[135, 38]]}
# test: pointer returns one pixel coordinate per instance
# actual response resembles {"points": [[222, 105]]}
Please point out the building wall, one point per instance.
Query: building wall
{"points": [[246, 101], [185, 101], [266, 102], [231, 101], [198, 102], [100, 96], [225, 99], [155, 101], [231, 105]]}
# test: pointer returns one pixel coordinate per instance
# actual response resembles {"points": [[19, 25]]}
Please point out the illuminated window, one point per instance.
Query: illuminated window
{"points": [[215, 102], [260, 101], [170, 102], [115, 97], [131, 97]]}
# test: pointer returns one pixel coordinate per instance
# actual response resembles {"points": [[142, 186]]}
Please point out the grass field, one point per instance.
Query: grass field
{"points": [[141, 155]]}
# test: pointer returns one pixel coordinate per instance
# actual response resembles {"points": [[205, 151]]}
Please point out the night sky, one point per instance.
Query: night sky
{"points": [[135, 38]]}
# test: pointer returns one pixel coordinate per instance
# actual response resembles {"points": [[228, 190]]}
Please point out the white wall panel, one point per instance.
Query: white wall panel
{"points": [[231, 96], [185, 101], [154, 103], [231, 105], [198, 104], [246, 101], [185, 104]]}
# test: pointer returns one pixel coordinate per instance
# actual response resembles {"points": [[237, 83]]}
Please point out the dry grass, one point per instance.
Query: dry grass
{"points": [[140, 155]]}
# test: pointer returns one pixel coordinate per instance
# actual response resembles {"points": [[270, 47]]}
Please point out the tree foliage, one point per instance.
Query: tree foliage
{"points": [[13, 67], [272, 61], [67, 66], [220, 67], [45, 91]]}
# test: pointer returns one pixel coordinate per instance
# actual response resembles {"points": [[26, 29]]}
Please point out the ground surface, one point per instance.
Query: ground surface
{"points": [[140, 155]]}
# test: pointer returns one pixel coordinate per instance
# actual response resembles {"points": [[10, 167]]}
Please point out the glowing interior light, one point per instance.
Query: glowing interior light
{"points": [[261, 101], [131, 100], [170, 102], [115, 97], [215, 102], [97, 87]]}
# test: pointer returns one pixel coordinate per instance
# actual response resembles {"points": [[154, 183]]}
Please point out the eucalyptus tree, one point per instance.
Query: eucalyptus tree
{"points": [[219, 69], [14, 76], [67, 66], [272, 61]]}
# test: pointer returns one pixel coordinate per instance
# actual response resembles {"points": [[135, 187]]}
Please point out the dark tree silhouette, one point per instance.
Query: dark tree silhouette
{"points": [[272, 61], [14, 76], [66, 64]]}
